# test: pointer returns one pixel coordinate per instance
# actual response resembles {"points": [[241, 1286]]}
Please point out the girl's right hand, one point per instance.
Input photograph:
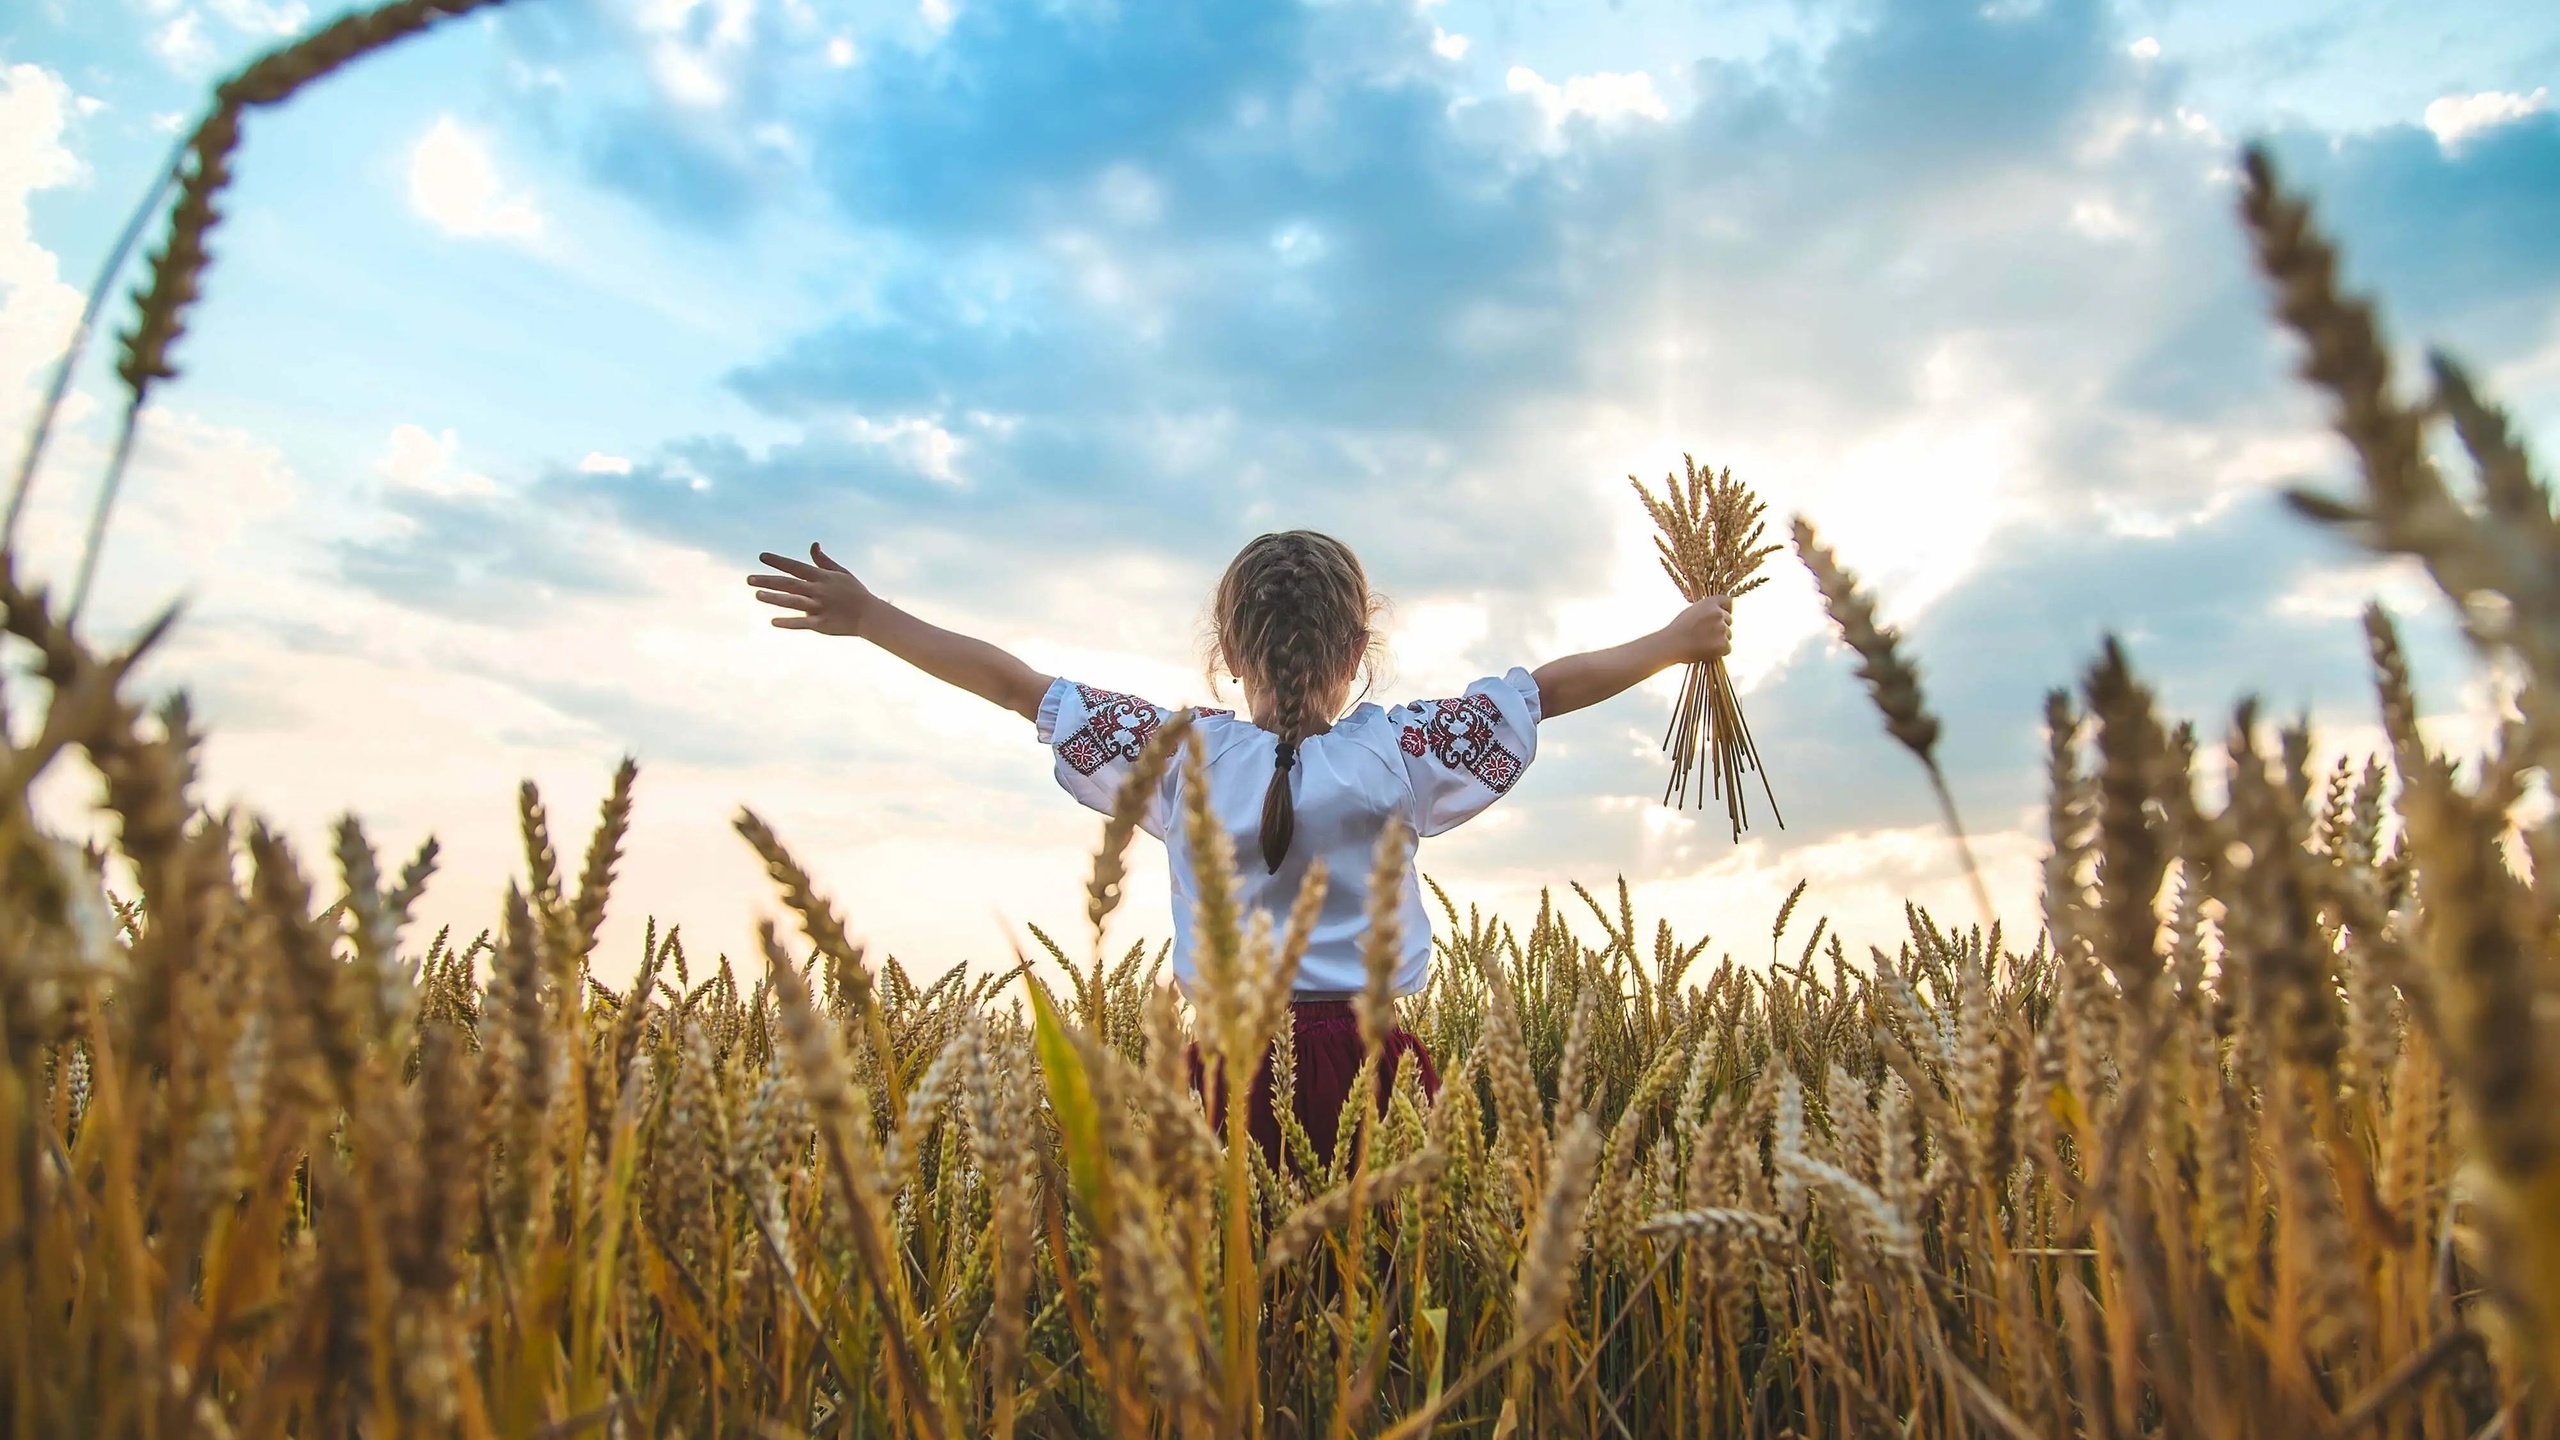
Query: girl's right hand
{"points": [[1704, 631], [829, 600]]}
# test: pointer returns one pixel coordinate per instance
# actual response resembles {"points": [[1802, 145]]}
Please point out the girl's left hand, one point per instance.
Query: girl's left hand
{"points": [[829, 599], [1704, 631]]}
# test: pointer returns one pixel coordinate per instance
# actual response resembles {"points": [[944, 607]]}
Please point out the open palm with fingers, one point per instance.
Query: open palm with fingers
{"points": [[824, 595]]}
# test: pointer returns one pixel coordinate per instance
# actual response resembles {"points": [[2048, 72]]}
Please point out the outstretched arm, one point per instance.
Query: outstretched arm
{"points": [[1702, 632], [829, 600]]}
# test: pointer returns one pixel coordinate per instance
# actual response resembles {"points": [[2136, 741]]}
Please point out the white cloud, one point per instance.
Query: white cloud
{"points": [[2457, 118], [263, 17], [1436, 638], [599, 463], [1298, 243], [454, 184], [2344, 592], [181, 43], [2146, 48], [841, 52], [695, 45], [198, 490], [2098, 218], [422, 462], [938, 14], [1608, 95], [775, 138], [732, 22], [922, 445], [33, 102], [1448, 46], [689, 75], [36, 309]]}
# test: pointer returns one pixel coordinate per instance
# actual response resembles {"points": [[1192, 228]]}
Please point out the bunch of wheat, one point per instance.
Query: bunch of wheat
{"points": [[1708, 534]]}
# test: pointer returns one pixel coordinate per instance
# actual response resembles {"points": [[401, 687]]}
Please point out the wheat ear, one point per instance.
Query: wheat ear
{"points": [[1893, 682]]}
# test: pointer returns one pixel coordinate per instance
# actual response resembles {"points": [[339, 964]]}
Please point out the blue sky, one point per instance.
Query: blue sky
{"points": [[526, 337]]}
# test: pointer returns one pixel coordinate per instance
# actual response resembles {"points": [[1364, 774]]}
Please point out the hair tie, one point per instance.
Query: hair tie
{"points": [[1288, 754]]}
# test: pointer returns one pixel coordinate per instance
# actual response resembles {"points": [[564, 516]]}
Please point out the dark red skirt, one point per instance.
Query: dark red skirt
{"points": [[1326, 1034]]}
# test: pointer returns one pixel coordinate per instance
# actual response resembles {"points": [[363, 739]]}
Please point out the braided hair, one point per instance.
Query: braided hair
{"points": [[1292, 615]]}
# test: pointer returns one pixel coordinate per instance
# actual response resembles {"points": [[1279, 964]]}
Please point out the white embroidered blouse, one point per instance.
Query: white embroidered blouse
{"points": [[1437, 762]]}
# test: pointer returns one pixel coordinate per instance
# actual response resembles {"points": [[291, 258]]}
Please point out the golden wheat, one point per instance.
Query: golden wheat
{"points": [[2260, 1138]]}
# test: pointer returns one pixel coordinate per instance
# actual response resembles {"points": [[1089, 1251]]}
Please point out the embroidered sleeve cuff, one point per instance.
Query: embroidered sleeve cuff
{"points": [[1527, 684], [1053, 705]]}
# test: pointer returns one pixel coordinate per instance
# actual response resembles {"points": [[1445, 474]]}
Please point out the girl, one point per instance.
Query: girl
{"points": [[1294, 621]]}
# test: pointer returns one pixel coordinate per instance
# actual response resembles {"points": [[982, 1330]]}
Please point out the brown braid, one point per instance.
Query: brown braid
{"points": [[1292, 615]]}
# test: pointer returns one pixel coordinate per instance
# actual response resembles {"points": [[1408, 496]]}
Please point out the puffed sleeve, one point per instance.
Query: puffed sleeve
{"points": [[1463, 754], [1096, 735]]}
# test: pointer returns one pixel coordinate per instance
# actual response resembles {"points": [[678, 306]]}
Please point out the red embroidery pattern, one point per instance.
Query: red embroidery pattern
{"points": [[1223, 714], [1115, 727], [1460, 734]]}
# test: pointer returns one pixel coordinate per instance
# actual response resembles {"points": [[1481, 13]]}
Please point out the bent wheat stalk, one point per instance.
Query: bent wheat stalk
{"points": [[177, 268], [1893, 683]]}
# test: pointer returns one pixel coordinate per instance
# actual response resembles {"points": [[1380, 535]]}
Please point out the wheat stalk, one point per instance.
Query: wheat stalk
{"points": [[58, 385]]}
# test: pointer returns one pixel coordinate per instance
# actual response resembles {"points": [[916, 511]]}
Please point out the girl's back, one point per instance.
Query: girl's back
{"points": [[1432, 763]]}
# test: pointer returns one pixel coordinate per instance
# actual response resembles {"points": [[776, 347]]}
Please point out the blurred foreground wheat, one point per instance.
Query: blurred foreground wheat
{"points": [[2261, 1137], [2245, 1172]]}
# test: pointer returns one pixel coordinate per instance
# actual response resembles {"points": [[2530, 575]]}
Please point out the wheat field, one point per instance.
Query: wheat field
{"points": [[2253, 1131]]}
